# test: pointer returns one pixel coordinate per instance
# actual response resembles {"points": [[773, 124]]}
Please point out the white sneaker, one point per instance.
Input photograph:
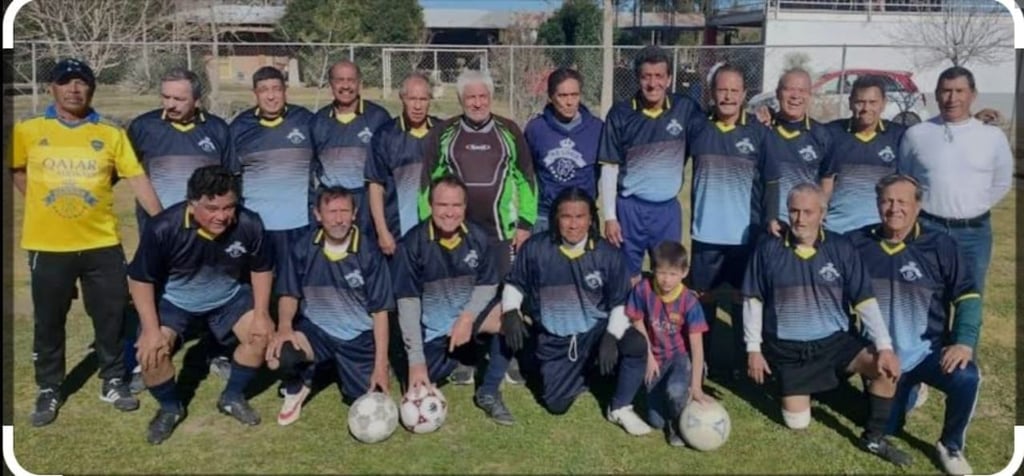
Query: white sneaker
{"points": [[629, 420], [922, 396], [953, 461], [292, 406]]}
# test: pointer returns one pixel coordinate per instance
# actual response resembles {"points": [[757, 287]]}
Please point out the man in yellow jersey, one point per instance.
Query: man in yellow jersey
{"points": [[65, 162]]}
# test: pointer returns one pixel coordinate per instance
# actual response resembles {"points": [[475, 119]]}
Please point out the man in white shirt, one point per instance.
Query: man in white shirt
{"points": [[964, 166]]}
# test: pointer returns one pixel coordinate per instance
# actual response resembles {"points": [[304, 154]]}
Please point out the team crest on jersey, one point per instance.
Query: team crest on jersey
{"points": [[745, 146], [829, 272], [808, 154], [354, 279], [594, 280], [207, 145], [886, 154], [472, 259], [235, 250], [97, 145], [70, 201], [564, 160], [674, 127], [295, 136], [43, 142], [911, 272], [365, 135]]}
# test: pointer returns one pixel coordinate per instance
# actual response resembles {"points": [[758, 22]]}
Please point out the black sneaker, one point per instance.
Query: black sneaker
{"points": [[495, 408], [116, 391], [512, 375], [882, 448], [238, 408], [163, 424], [463, 375], [48, 401], [136, 385]]}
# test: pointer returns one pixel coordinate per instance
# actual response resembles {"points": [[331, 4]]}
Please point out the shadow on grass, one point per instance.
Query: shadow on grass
{"points": [[80, 374]]}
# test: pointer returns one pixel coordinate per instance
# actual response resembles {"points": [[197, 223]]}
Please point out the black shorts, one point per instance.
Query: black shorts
{"points": [[712, 265], [220, 320], [803, 368], [353, 359]]}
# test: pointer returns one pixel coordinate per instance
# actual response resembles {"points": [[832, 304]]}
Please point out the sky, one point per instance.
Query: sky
{"points": [[493, 4]]}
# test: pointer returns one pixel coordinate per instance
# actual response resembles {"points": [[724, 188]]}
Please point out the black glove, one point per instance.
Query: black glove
{"points": [[608, 354], [514, 329]]}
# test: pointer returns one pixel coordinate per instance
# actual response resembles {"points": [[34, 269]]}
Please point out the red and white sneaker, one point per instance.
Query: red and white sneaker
{"points": [[292, 406]]}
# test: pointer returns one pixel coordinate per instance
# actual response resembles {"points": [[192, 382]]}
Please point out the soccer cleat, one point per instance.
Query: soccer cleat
{"points": [[495, 408], [463, 375], [221, 367], [629, 420], [953, 461], [163, 424], [882, 448], [238, 408], [136, 385], [48, 401], [674, 438], [115, 391], [512, 375], [292, 406]]}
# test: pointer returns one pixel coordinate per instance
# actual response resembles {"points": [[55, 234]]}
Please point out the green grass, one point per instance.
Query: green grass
{"points": [[91, 437]]}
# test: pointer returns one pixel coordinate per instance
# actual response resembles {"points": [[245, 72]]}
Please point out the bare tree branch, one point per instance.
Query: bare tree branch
{"points": [[957, 33]]}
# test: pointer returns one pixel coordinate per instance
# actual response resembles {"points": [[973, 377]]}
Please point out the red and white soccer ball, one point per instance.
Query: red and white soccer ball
{"points": [[705, 426], [373, 417], [423, 409]]}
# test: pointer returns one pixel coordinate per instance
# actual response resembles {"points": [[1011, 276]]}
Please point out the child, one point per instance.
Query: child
{"points": [[670, 317]]}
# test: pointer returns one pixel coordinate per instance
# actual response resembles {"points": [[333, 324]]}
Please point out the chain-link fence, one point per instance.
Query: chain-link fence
{"points": [[129, 73]]}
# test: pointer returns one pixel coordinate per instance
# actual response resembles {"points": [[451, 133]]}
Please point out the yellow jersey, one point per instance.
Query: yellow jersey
{"points": [[70, 167]]}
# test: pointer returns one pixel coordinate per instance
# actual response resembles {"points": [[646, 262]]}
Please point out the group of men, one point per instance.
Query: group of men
{"points": [[472, 242]]}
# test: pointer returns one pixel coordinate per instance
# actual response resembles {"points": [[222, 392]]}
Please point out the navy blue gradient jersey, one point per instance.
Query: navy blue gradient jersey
{"points": [[728, 163], [858, 161], [806, 295], [796, 154], [442, 273], [277, 165], [650, 151], [915, 281], [397, 164], [337, 293], [170, 152], [194, 272], [568, 292]]}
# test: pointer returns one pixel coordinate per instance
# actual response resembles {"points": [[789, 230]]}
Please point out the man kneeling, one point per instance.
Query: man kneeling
{"points": [[202, 254]]}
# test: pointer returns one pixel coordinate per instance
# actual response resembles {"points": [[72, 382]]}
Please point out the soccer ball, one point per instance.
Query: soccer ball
{"points": [[423, 409], [705, 426], [373, 417]]}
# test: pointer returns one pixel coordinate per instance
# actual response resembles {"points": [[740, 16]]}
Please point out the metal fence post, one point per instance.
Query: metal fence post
{"points": [[842, 83], [675, 68], [511, 81], [351, 53], [35, 82], [188, 54]]}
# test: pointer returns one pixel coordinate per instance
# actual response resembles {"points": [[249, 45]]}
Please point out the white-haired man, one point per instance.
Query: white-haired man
{"points": [[490, 155]]}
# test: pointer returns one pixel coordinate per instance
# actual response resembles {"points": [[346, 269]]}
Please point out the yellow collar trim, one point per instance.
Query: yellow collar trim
{"points": [[199, 230], [893, 248], [360, 108], [672, 295], [432, 234], [805, 253], [789, 244], [573, 253], [353, 242], [652, 113]]}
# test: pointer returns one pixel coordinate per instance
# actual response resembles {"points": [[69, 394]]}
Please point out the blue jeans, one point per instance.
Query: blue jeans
{"points": [[960, 387], [668, 394], [975, 243]]}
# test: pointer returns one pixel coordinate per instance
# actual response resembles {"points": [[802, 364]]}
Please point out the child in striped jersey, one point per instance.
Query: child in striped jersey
{"points": [[671, 318]]}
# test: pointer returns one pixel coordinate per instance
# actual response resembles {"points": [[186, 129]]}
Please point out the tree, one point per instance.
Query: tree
{"points": [[959, 32]]}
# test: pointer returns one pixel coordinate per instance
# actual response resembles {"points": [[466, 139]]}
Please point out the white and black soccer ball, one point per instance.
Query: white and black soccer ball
{"points": [[373, 417], [705, 426], [423, 409]]}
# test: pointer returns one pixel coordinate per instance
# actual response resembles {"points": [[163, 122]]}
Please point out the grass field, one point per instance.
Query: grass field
{"points": [[91, 437]]}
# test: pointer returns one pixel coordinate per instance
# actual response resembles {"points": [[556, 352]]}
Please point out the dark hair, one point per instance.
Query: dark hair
{"points": [[671, 254], [865, 82], [178, 73], [213, 181], [450, 181], [727, 68], [956, 72], [559, 76], [265, 73], [893, 179], [573, 194], [326, 194], [359, 72], [651, 54]]}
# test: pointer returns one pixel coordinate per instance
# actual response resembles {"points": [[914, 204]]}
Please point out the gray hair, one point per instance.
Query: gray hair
{"points": [[791, 72], [414, 76], [472, 76], [182, 74], [807, 187], [892, 179]]}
